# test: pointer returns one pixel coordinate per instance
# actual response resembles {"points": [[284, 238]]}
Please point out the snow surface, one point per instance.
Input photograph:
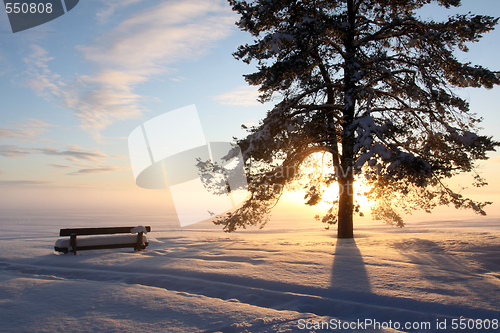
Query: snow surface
{"points": [[199, 279], [138, 229]]}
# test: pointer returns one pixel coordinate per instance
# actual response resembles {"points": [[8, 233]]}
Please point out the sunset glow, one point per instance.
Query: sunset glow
{"points": [[185, 166], [70, 99]]}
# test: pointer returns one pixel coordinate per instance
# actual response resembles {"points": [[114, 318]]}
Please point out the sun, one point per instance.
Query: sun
{"points": [[331, 193], [320, 165]]}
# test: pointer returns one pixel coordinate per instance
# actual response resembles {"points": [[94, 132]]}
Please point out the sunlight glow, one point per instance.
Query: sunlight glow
{"points": [[332, 192], [320, 166]]}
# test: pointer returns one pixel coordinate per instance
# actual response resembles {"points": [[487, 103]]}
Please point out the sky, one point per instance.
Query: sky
{"points": [[73, 89]]}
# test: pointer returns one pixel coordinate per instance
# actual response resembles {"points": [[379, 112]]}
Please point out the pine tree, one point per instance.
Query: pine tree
{"points": [[373, 86]]}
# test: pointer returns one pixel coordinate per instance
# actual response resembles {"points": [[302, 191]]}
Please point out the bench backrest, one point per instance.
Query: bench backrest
{"points": [[98, 231]]}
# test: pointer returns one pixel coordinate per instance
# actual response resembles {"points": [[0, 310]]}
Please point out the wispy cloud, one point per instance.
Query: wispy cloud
{"points": [[88, 171], [74, 154], [112, 7], [30, 130], [39, 77], [87, 162], [26, 134], [14, 151], [178, 79], [60, 166], [22, 182], [32, 122], [4, 65], [143, 46], [250, 124], [241, 96]]}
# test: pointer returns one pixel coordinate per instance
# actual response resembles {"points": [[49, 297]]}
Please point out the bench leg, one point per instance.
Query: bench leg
{"points": [[138, 245], [72, 243]]}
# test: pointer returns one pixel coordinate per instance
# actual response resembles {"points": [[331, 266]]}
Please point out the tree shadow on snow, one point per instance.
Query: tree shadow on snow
{"points": [[348, 270]]}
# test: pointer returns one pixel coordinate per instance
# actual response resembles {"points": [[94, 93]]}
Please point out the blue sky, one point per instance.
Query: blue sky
{"points": [[79, 84], [74, 88]]}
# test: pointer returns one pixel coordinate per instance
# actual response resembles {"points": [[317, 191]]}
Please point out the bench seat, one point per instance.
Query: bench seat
{"points": [[105, 242], [135, 238]]}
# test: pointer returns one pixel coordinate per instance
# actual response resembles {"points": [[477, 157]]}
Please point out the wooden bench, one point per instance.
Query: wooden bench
{"points": [[138, 242]]}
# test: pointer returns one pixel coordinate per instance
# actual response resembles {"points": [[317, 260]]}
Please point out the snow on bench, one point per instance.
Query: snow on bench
{"points": [[136, 239]]}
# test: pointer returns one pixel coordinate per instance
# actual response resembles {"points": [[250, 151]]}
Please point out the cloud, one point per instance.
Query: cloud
{"points": [[60, 166], [22, 182], [40, 78], [31, 130], [178, 79], [32, 122], [27, 134], [250, 124], [241, 96], [74, 154], [13, 151], [112, 7], [145, 45], [88, 171], [5, 65], [164, 34]]}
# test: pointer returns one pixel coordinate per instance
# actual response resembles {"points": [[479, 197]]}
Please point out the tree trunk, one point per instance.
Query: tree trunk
{"points": [[346, 203], [346, 177]]}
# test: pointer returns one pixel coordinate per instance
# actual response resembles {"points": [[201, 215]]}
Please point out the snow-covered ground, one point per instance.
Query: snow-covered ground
{"points": [[287, 276]]}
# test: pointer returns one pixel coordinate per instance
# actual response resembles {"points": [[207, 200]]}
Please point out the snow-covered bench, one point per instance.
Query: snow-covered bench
{"points": [[136, 239]]}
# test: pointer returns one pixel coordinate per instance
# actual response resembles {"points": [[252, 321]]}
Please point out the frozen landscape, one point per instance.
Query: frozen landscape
{"points": [[381, 81], [287, 277]]}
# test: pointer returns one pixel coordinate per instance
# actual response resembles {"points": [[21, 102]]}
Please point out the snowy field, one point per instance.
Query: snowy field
{"points": [[285, 278]]}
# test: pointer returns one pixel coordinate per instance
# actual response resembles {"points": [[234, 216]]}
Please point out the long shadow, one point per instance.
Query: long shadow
{"points": [[470, 277], [348, 270]]}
